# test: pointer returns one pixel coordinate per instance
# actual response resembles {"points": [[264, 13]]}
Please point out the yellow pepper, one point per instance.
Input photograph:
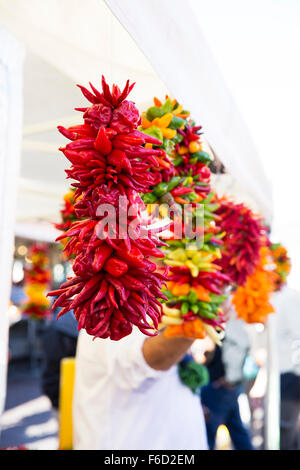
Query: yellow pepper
{"points": [[195, 146], [168, 133], [171, 312], [178, 110], [192, 267], [179, 254]]}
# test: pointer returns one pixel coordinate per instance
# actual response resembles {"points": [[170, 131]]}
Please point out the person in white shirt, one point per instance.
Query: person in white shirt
{"points": [[287, 306], [128, 395]]}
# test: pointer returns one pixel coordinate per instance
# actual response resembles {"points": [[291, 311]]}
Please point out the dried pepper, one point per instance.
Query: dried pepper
{"points": [[115, 285], [37, 280], [243, 239], [282, 263]]}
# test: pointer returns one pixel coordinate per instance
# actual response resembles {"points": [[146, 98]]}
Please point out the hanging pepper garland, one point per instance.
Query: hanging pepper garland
{"points": [[195, 288], [282, 264], [252, 300], [37, 280], [115, 284], [243, 239]]}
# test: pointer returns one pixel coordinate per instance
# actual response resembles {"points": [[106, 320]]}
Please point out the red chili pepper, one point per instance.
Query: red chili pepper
{"points": [[179, 191], [102, 142], [115, 266]]}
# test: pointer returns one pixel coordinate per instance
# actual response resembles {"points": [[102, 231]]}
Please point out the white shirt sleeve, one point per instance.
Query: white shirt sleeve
{"points": [[126, 363]]}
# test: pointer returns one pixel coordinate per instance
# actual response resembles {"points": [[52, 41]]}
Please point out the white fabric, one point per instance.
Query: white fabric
{"points": [[122, 403], [86, 40], [11, 61], [287, 307], [234, 349], [170, 35]]}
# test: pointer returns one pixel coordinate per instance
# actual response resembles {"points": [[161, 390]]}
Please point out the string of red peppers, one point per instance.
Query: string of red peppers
{"points": [[115, 285], [244, 236]]}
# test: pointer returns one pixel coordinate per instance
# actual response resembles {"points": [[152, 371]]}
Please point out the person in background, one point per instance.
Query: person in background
{"points": [[287, 306], [58, 341], [128, 395], [220, 396]]}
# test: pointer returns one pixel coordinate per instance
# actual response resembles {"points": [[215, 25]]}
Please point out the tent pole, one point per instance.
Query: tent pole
{"points": [[272, 398], [11, 111]]}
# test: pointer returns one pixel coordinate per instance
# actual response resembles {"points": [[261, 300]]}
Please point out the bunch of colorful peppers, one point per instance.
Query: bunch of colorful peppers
{"points": [[37, 280], [252, 300], [67, 214], [282, 264], [243, 239], [115, 285], [196, 285]]}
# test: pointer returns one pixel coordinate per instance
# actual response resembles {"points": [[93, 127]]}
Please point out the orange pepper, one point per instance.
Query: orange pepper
{"points": [[202, 293], [180, 200], [181, 289], [251, 301], [189, 329], [183, 116], [162, 163], [145, 122], [157, 102]]}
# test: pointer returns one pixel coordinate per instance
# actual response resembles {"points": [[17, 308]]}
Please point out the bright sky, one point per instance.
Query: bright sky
{"points": [[256, 44]]}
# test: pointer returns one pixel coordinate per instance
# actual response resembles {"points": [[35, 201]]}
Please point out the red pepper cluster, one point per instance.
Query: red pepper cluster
{"points": [[38, 270], [37, 278], [115, 284], [243, 239]]}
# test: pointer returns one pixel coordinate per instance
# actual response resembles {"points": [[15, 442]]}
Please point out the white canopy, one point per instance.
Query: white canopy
{"points": [[70, 41]]}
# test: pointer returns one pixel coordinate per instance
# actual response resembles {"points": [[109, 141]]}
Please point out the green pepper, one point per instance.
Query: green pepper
{"points": [[208, 198], [195, 308], [202, 157], [185, 307], [177, 161], [155, 132], [159, 111], [149, 198], [207, 237], [192, 196], [168, 146], [192, 297], [207, 314], [173, 182], [217, 299], [212, 207], [205, 305], [176, 122], [175, 243], [160, 189], [177, 138]]}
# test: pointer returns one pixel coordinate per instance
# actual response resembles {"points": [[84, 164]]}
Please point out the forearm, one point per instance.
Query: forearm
{"points": [[161, 352]]}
